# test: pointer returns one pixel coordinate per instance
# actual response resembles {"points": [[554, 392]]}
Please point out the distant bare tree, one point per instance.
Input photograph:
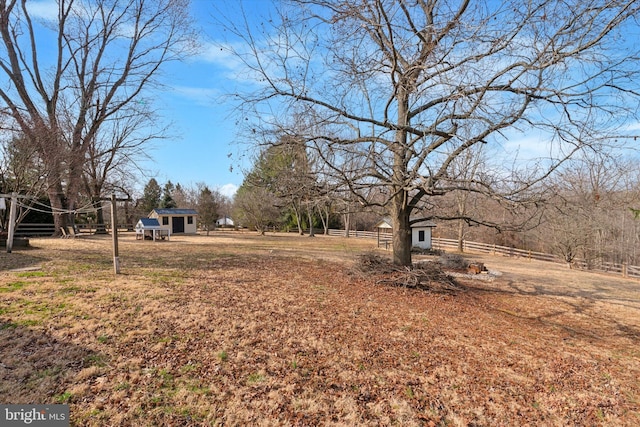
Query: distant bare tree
{"points": [[590, 217], [467, 169], [186, 198], [113, 158], [99, 59], [409, 86], [208, 206], [256, 207], [283, 169]]}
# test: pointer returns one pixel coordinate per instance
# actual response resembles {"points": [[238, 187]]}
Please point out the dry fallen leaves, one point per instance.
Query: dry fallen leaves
{"points": [[243, 330]]}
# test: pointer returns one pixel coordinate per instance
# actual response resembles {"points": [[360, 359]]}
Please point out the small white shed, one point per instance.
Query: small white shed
{"points": [[176, 220], [421, 234]]}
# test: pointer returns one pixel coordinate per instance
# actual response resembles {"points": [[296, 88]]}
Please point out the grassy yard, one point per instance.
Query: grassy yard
{"points": [[237, 329]]}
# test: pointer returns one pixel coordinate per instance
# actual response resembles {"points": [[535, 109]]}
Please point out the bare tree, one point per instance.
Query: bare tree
{"points": [[467, 169], [283, 169], [409, 86], [64, 78], [591, 218], [114, 155], [256, 207], [20, 172]]}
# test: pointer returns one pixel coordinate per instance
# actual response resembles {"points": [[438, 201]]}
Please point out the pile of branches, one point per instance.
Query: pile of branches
{"points": [[429, 276]]}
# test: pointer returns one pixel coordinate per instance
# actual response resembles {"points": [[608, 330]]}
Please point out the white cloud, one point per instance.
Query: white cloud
{"points": [[47, 10], [228, 190], [631, 127], [219, 54], [199, 95], [237, 62], [528, 147]]}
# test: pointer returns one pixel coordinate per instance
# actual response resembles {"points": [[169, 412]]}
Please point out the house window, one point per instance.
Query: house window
{"points": [[420, 235], [165, 220], [189, 220]]}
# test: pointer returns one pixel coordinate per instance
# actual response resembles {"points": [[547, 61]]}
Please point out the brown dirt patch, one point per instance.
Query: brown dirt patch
{"points": [[242, 330]]}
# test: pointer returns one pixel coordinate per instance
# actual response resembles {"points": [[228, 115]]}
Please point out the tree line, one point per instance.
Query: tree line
{"points": [[586, 211]]}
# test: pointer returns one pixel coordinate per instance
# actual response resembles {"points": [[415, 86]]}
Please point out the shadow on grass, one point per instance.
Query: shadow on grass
{"points": [[36, 367], [19, 260], [571, 300]]}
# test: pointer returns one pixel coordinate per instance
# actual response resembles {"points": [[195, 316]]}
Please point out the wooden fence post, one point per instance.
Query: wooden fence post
{"points": [[114, 234], [13, 212]]}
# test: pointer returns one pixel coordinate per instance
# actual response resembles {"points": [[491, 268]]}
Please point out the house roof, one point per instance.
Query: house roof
{"points": [[225, 220], [416, 222], [174, 211], [148, 223]]}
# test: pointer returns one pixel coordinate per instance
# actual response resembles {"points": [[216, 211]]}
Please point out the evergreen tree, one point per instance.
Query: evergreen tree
{"points": [[167, 201], [208, 204], [151, 196]]}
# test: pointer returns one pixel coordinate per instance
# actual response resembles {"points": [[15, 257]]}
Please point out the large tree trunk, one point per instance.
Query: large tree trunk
{"points": [[347, 223], [324, 217], [400, 209], [58, 203], [401, 230], [298, 214], [100, 225], [460, 235], [310, 217]]}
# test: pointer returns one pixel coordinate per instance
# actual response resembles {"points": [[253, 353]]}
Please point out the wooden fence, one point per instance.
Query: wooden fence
{"points": [[624, 270], [44, 230], [354, 233], [34, 230]]}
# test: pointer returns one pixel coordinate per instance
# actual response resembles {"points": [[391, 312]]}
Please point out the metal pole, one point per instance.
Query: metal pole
{"points": [[114, 232], [12, 221]]}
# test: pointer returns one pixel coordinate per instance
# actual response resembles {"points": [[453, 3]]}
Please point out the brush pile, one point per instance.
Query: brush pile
{"points": [[429, 276]]}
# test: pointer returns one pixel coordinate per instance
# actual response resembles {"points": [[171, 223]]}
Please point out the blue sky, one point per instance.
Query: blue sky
{"points": [[203, 148]]}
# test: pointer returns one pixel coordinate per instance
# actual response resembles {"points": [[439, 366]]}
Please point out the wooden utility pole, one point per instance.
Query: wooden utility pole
{"points": [[13, 212], [114, 232]]}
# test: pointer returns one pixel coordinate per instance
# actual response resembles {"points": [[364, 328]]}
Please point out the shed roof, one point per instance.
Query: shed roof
{"points": [[384, 223], [415, 222], [174, 211], [148, 223]]}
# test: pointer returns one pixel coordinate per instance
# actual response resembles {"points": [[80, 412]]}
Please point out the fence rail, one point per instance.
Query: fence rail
{"points": [[355, 233], [624, 270], [494, 249], [34, 230], [42, 230]]}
